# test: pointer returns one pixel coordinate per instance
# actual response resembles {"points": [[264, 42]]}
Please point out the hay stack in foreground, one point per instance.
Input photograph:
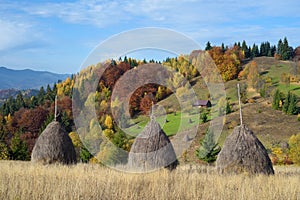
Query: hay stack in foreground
{"points": [[243, 152], [54, 146], [152, 149]]}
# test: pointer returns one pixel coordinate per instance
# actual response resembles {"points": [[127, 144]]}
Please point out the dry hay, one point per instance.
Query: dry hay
{"points": [[243, 152], [152, 149], [54, 146]]}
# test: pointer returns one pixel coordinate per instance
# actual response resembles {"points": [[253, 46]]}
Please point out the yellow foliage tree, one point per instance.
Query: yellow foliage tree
{"points": [[294, 152], [278, 155], [8, 119], [108, 122], [108, 133], [253, 75], [75, 139], [4, 154]]}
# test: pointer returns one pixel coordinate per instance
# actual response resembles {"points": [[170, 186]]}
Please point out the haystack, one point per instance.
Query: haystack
{"points": [[152, 149], [243, 152], [54, 146]]}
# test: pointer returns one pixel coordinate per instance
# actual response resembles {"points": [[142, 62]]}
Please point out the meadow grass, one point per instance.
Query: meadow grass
{"points": [[24, 180], [169, 123]]}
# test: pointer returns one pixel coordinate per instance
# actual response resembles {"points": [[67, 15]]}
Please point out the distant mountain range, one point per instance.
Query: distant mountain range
{"points": [[27, 79]]}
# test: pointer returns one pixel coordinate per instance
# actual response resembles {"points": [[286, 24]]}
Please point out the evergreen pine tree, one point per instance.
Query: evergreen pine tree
{"points": [[41, 96], [262, 49], [273, 50], [209, 149], [285, 54], [276, 100], [203, 116], [292, 109], [246, 49], [208, 46], [18, 148], [286, 104], [49, 95], [85, 155], [280, 47], [20, 101], [255, 51], [228, 108], [223, 47]]}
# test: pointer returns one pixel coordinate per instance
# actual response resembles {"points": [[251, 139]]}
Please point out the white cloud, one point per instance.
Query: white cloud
{"points": [[13, 34], [80, 12], [185, 13]]}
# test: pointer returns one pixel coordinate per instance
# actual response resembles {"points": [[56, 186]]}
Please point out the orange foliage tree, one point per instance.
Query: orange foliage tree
{"points": [[228, 62]]}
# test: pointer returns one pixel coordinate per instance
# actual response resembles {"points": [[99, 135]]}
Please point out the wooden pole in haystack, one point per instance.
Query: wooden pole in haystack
{"points": [[239, 95], [55, 108]]}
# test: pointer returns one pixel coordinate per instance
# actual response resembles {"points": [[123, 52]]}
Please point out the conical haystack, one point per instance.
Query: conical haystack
{"points": [[243, 152], [54, 146], [152, 149]]}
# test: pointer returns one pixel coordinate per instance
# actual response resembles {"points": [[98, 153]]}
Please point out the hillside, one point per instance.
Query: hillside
{"points": [[27, 79], [27, 117], [272, 127]]}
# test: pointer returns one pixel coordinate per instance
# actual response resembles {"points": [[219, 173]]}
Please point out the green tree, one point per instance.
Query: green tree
{"points": [[66, 121], [292, 108], [209, 149], [49, 94], [18, 148], [85, 155], [279, 47], [223, 48], [246, 50], [41, 96], [273, 51], [228, 107], [276, 100], [255, 51], [54, 90], [208, 46], [33, 102], [20, 103], [204, 116], [286, 104], [290, 104], [286, 53]]}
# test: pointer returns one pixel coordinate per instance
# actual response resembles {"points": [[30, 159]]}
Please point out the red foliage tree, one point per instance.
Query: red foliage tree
{"points": [[30, 120]]}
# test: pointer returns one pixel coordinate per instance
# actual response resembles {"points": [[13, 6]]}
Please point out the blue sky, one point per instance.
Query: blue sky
{"points": [[58, 35]]}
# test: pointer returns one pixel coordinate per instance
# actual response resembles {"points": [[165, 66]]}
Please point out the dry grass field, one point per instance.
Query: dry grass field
{"points": [[23, 180]]}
